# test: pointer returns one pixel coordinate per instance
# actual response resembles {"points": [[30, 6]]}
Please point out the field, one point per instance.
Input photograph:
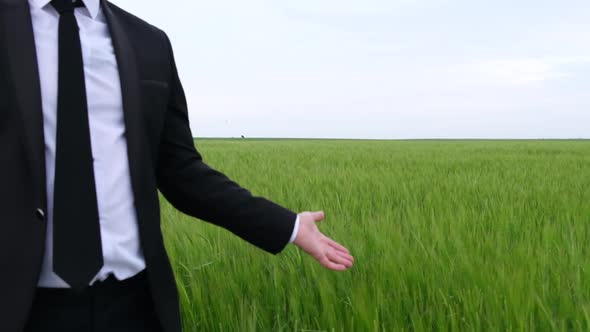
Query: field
{"points": [[447, 236]]}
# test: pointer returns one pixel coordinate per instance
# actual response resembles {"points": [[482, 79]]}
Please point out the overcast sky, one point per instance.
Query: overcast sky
{"points": [[380, 68]]}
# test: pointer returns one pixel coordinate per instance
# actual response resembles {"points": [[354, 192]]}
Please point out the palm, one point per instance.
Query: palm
{"points": [[328, 252]]}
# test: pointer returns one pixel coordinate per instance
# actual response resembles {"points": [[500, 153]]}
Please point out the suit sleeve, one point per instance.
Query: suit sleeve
{"points": [[200, 191]]}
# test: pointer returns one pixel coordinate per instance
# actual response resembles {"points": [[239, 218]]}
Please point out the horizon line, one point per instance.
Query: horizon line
{"points": [[393, 139]]}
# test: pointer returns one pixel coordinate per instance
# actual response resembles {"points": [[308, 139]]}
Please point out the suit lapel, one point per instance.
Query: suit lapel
{"points": [[19, 43], [22, 59], [130, 88]]}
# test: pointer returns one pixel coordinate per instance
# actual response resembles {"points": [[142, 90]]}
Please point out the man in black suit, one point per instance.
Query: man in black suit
{"points": [[93, 121]]}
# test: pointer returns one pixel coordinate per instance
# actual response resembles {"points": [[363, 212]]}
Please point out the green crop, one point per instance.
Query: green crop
{"points": [[447, 236]]}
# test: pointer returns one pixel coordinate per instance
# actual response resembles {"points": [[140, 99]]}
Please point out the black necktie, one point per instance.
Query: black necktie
{"points": [[77, 249]]}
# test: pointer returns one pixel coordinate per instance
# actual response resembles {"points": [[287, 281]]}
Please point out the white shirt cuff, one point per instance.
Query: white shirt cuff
{"points": [[295, 230]]}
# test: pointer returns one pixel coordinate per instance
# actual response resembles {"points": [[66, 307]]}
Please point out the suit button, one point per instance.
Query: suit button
{"points": [[40, 214]]}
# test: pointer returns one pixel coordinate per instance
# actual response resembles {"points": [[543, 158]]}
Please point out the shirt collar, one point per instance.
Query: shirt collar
{"points": [[93, 6]]}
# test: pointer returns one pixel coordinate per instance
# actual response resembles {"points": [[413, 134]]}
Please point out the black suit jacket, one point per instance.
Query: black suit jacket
{"points": [[161, 155]]}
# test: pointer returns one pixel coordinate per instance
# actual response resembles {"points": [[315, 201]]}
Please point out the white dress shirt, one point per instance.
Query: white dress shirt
{"points": [[119, 232]]}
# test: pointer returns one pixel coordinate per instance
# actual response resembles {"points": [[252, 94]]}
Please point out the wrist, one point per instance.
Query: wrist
{"points": [[295, 230]]}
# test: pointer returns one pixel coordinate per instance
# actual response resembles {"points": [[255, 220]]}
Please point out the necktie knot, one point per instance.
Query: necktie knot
{"points": [[66, 6]]}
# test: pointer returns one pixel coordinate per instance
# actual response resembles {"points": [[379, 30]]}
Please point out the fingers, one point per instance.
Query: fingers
{"points": [[337, 246], [335, 260], [340, 258], [318, 216], [327, 263], [348, 257]]}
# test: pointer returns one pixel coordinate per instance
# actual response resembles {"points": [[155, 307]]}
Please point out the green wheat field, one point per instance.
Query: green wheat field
{"points": [[447, 236]]}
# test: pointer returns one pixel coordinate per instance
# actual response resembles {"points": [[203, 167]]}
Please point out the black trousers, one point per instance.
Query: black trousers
{"points": [[111, 305]]}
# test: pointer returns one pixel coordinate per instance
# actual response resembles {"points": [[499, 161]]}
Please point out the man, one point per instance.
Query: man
{"points": [[93, 121]]}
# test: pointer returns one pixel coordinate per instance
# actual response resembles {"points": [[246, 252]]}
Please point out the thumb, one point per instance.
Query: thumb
{"points": [[318, 215]]}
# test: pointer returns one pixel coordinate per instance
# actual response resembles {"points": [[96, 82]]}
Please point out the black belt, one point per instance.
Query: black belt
{"points": [[109, 285]]}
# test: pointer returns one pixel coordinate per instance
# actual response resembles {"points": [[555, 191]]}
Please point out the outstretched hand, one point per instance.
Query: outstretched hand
{"points": [[328, 252]]}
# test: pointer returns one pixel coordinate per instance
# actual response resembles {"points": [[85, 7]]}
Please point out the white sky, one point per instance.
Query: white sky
{"points": [[380, 68]]}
